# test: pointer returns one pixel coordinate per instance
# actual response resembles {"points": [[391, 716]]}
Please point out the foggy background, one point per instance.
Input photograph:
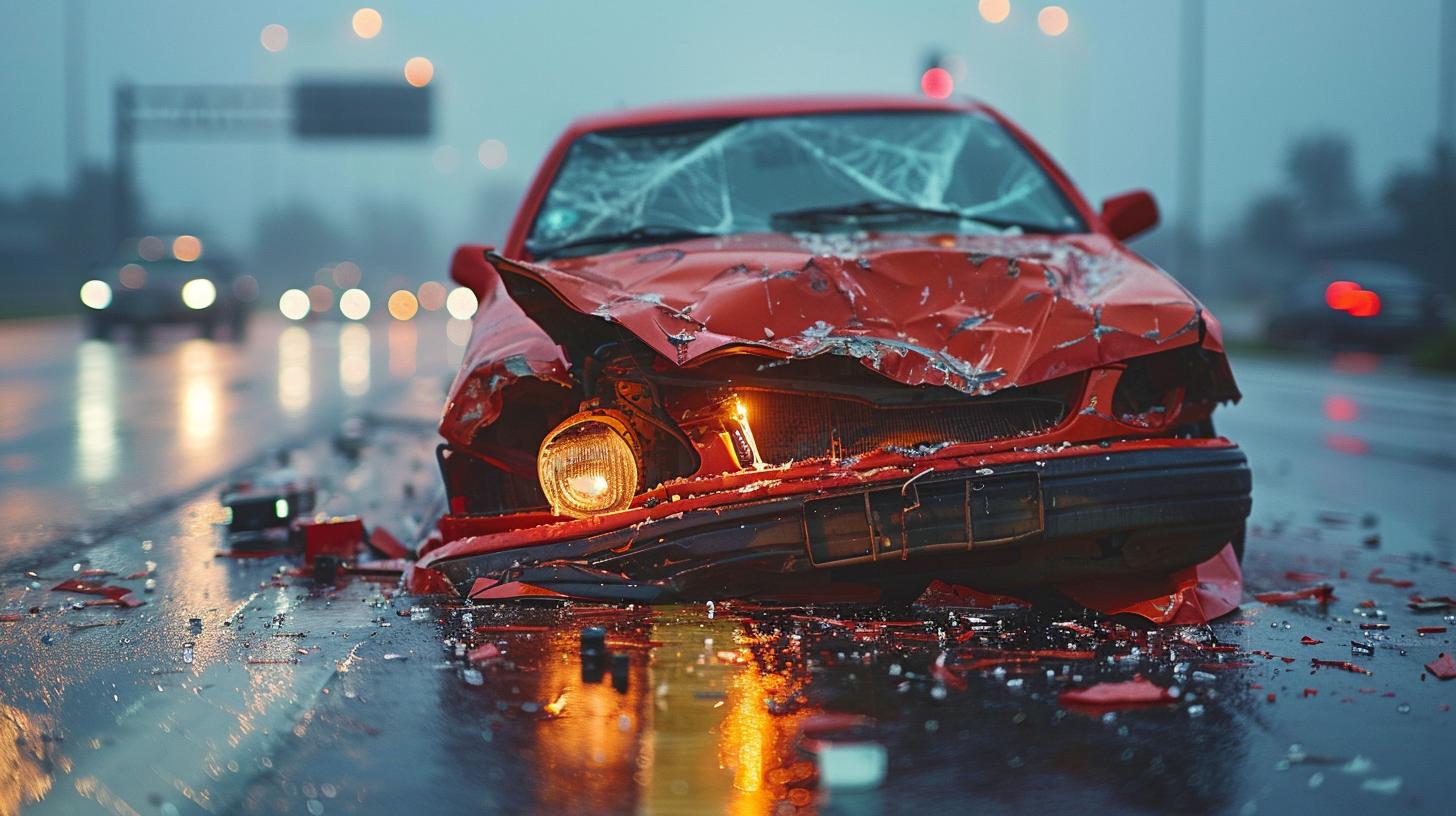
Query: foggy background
{"points": [[1272, 132]]}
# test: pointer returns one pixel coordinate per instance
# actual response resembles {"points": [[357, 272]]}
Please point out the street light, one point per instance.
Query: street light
{"points": [[995, 11], [274, 37], [492, 154], [418, 71], [1052, 20], [367, 23]]}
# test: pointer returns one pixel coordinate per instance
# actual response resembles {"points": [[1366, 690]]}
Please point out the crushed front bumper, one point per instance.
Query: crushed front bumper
{"points": [[1012, 525]]}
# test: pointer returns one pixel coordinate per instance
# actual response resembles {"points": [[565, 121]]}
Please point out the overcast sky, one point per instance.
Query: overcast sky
{"points": [[1101, 97]]}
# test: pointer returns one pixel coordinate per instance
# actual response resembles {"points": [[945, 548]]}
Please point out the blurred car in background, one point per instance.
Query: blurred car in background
{"points": [[140, 295], [1352, 304]]}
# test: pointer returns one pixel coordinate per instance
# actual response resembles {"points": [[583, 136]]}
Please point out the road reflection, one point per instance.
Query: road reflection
{"points": [[199, 397], [403, 349], [96, 448], [27, 760], [295, 389], [354, 359]]}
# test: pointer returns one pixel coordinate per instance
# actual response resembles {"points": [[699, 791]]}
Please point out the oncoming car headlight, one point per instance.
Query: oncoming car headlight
{"points": [[199, 293], [588, 465]]}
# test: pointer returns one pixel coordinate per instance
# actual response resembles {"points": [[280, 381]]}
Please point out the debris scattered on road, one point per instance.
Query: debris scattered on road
{"points": [[1323, 593], [1443, 667], [1135, 692], [120, 596]]}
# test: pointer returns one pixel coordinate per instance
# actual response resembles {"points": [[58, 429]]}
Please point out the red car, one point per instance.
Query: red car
{"points": [[830, 348]]}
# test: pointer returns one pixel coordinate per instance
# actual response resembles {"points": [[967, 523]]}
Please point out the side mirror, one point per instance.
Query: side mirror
{"points": [[470, 269], [1130, 214]]}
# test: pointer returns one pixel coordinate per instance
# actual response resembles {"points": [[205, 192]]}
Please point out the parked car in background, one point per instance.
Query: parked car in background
{"points": [[826, 348], [1351, 304], [138, 296]]}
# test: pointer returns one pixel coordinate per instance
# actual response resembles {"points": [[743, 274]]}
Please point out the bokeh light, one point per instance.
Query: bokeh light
{"points": [[320, 298], [245, 288], [151, 248], [274, 37], [186, 248], [132, 276], [96, 294], [937, 83], [418, 71], [458, 331], [492, 154], [294, 304], [461, 303], [367, 23], [995, 11], [199, 293], [1052, 21], [432, 296], [354, 304], [347, 274], [445, 159], [402, 305]]}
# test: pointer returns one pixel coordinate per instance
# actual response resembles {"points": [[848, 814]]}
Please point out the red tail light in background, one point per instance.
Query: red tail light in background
{"points": [[1348, 297]]}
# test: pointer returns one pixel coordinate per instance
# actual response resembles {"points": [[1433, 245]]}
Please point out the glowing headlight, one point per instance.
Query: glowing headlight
{"points": [[198, 293], [96, 294], [588, 465]]}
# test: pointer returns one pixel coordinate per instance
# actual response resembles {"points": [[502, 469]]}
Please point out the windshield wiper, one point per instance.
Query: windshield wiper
{"points": [[869, 210], [639, 235]]}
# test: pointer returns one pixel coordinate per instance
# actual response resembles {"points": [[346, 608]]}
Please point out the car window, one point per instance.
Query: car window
{"points": [[725, 177]]}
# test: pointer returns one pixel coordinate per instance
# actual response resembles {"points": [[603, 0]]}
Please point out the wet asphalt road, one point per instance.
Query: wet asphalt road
{"points": [[347, 700]]}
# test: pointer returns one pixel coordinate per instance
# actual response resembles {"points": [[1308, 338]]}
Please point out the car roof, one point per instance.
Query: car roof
{"points": [[769, 106]]}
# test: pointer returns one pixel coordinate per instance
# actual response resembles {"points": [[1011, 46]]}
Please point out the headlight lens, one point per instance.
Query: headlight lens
{"points": [[587, 466], [198, 293], [96, 294]]}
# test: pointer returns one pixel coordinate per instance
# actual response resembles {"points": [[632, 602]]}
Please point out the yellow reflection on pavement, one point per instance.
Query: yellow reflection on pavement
{"points": [[403, 346], [354, 359], [95, 412], [199, 395], [294, 388], [27, 760]]}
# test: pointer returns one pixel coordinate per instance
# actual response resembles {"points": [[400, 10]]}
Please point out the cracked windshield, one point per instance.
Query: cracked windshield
{"points": [[902, 171]]}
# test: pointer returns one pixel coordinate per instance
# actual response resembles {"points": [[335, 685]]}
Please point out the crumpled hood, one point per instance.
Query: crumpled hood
{"points": [[975, 313]]}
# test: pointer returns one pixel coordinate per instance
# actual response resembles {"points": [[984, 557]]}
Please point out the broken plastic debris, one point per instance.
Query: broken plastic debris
{"points": [[1389, 787], [1443, 667], [1339, 664], [386, 544], [484, 652], [1135, 692], [1376, 578], [121, 596], [1324, 593], [1194, 595]]}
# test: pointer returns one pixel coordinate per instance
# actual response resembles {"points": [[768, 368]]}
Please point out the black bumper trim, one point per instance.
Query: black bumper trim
{"points": [[1081, 497]]}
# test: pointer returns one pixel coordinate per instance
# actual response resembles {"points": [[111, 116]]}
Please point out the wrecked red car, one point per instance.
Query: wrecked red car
{"points": [[829, 348]]}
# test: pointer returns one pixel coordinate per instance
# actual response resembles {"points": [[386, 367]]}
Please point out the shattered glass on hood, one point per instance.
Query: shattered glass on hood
{"points": [[718, 177]]}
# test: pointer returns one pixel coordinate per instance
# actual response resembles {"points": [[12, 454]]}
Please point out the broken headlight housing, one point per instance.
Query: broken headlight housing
{"points": [[588, 465]]}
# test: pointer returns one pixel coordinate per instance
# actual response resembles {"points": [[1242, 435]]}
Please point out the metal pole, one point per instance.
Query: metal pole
{"points": [[1446, 84], [123, 136], [75, 56], [1190, 146]]}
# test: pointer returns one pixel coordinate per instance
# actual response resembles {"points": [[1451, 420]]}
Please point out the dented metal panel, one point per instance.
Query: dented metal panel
{"points": [[974, 313]]}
